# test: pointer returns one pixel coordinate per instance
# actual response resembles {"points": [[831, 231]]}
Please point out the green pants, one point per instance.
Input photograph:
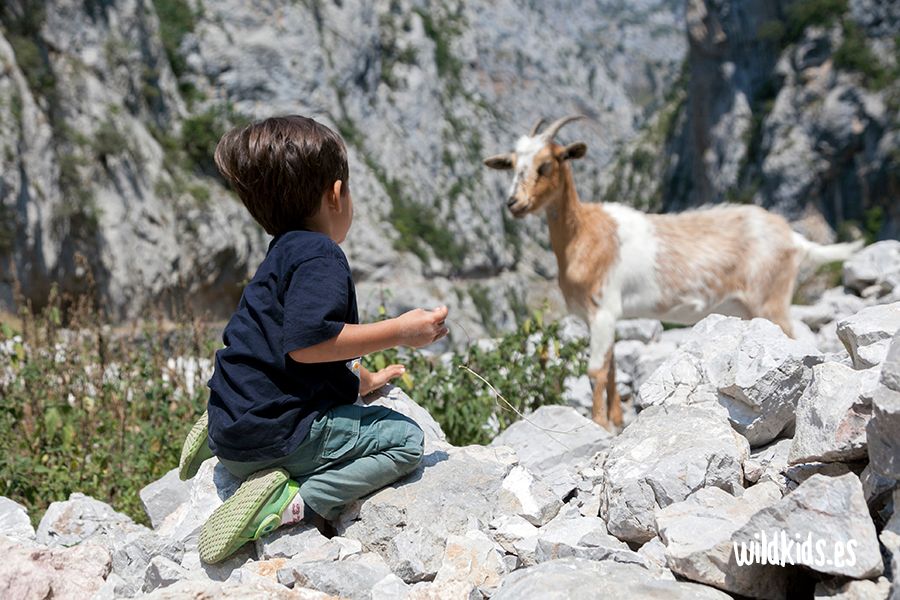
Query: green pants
{"points": [[350, 451]]}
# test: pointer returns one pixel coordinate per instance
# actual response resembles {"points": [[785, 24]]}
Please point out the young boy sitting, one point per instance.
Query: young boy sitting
{"points": [[281, 408]]}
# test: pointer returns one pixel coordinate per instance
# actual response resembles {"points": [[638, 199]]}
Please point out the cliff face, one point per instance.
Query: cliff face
{"points": [[790, 105], [109, 112]]}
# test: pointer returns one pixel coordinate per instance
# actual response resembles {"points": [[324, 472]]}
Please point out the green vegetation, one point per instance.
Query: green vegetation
{"points": [[806, 13], [417, 223], [389, 54], [176, 19], [442, 33], [88, 411], [109, 141], [642, 165], [201, 133], [855, 55], [484, 306], [85, 409], [527, 367]]}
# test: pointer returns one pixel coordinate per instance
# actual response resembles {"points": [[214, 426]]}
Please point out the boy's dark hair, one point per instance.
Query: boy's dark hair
{"points": [[280, 167]]}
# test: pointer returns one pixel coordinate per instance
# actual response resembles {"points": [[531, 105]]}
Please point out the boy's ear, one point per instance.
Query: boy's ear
{"points": [[334, 198]]}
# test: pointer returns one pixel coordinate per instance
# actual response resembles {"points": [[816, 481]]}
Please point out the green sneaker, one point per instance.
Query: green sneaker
{"points": [[253, 511], [195, 449]]}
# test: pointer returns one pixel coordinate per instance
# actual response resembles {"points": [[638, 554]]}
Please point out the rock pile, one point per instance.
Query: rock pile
{"points": [[757, 466]]}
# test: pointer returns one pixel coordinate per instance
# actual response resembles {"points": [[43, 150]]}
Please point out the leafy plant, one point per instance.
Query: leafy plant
{"points": [[528, 367]]}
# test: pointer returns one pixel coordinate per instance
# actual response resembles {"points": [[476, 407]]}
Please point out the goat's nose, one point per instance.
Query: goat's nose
{"points": [[511, 201]]}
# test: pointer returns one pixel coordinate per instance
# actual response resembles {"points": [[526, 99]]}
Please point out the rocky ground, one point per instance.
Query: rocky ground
{"points": [[733, 429]]}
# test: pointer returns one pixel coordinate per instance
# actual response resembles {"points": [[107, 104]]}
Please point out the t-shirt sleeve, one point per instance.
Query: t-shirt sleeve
{"points": [[316, 303]]}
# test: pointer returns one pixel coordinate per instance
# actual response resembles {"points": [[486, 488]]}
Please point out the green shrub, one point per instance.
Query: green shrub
{"points": [[201, 132], [855, 55], [87, 412], [109, 141], [83, 409], [176, 19], [806, 13], [528, 368]]}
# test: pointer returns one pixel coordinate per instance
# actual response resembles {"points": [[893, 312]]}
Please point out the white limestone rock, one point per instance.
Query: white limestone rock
{"points": [[287, 542], [873, 265], [669, 452], [832, 415], [14, 520], [697, 536], [82, 518], [527, 496], [29, 571], [641, 330], [854, 590], [472, 558], [867, 334], [554, 443], [449, 489], [768, 463], [581, 578], [574, 535], [883, 431], [751, 368], [517, 536], [164, 496], [390, 588], [163, 572], [831, 513], [351, 578]]}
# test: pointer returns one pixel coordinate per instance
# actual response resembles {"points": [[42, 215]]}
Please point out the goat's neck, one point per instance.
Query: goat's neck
{"points": [[565, 216]]}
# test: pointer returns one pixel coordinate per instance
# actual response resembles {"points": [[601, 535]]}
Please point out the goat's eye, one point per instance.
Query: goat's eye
{"points": [[545, 169]]}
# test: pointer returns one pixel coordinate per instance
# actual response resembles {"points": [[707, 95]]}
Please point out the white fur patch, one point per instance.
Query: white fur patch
{"points": [[632, 287], [526, 148]]}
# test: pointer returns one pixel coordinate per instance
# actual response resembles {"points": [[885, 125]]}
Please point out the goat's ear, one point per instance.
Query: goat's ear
{"points": [[501, 162], [575, 150]]}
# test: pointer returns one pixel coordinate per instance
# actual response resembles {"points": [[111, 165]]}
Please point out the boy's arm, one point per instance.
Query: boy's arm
{"points": [[415, 328]]}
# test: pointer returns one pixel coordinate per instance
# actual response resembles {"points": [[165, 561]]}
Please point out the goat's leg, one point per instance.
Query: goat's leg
{"points": [[776, 306], [603, 327], [613, 401]]}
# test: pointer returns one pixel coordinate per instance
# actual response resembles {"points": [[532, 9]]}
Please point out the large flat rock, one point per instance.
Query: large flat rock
{"points": [[883, 430], [867, 334], [553, 437], [451, 489], [755, 371], [830, 515], [583, 579], [669, 452], [697, 537], [832, 415]]}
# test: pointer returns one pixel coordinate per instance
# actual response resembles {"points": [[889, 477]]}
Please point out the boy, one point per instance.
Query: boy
{"points": [[281, 408]]}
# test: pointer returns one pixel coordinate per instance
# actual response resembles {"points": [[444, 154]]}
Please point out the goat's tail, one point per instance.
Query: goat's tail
{"points": [[814, 255]]}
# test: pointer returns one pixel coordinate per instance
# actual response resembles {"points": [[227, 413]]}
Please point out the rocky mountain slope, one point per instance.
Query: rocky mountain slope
{"points": [[790, 104], [109, 112], [742, 432]]}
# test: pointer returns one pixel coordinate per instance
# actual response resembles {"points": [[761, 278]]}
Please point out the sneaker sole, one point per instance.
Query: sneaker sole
{"points": [[221, 534], [195, 449]]}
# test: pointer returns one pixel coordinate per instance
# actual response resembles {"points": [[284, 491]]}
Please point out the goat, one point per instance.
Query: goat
{"points": [[616, 262]]}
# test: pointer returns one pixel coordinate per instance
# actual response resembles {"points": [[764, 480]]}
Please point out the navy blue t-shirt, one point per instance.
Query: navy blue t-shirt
{"points": [[262, 402]]}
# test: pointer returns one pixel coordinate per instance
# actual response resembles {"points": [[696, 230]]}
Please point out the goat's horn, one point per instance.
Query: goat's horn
{"points": [[556, 125], [537, 126]]}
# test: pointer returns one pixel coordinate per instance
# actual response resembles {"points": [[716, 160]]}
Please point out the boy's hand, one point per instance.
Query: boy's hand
{"points": [[421, 327], [369, 382]]}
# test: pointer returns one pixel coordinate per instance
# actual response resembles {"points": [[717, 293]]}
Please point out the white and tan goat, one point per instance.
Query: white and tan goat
{"points": [[616, 262]]}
